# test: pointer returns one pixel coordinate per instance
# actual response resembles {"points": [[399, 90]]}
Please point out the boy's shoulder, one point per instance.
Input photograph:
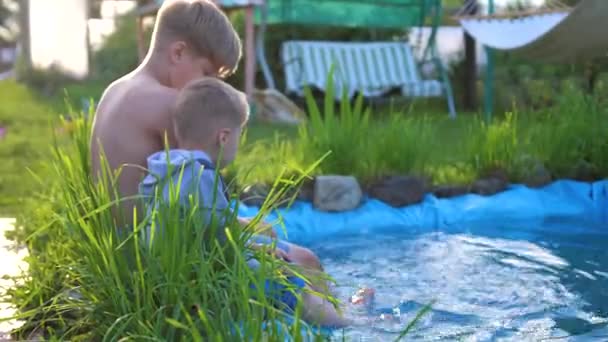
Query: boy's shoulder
{"points": [[147, 93], [193, 170], [190, 166], [179, 158], [142, 96]]}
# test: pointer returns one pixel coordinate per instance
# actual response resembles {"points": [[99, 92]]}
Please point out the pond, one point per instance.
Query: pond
{"points": [[485, 288]]}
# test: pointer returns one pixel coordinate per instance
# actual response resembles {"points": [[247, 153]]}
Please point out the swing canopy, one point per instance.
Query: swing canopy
{"points": [[349, 13]]}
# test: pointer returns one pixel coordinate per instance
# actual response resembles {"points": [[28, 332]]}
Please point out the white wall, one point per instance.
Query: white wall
{"points": [[111, 9], [58, 35]]}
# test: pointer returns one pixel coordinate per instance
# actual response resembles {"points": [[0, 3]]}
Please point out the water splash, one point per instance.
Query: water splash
{"points": [[486, 289]]}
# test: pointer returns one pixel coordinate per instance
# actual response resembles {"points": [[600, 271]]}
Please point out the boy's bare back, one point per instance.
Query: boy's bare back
{"points": [[130, 123], [191, 39]]}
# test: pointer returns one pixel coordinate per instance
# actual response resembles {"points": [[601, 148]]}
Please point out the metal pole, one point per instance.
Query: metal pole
{"points": [[249, 51], [489, 81], [470, 64]]}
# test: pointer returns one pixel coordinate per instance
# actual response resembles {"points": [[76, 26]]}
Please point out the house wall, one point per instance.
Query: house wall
{"points": [[58, 35]]}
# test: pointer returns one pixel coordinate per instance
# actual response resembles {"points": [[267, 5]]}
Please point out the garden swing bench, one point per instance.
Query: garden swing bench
{"points": [[371, 68]]}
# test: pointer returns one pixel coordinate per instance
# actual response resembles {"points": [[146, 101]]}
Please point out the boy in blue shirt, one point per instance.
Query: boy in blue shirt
{"points": [[208, 120]]}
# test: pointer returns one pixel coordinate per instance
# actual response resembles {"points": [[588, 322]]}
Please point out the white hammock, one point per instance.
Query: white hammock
{"points": [[564, 36]]}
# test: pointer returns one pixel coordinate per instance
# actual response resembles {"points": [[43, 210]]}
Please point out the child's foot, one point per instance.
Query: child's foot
{"points": [[364, 296], [387, 317]]}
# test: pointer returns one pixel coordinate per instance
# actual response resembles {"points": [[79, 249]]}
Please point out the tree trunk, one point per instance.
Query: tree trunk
{"points": [[25, 58]]}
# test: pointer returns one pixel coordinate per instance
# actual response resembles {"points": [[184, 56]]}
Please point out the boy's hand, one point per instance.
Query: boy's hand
{"points": [[278, 253], [263, 227], [267, 229]]}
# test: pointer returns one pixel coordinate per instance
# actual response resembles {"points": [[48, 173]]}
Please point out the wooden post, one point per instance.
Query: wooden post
{"points": [[470, 66], [488, 92], [249, 51], [24, 35]]}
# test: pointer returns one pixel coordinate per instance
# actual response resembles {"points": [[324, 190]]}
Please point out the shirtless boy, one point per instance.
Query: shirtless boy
{"points": [[191, 39]]}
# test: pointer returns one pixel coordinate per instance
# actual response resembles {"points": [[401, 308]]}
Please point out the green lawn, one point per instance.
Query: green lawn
{"points": [[25, 148]]}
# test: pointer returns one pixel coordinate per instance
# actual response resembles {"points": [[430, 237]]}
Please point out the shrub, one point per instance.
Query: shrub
{"points": [[571, 133], [118, 54], [494, 145]]}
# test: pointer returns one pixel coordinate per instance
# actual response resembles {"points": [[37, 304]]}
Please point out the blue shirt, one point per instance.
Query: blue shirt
{"points": [[198, 181]]}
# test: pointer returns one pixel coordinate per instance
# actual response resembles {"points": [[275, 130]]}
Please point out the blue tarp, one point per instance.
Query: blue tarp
{"points": [[575, 205], [565, 207]]}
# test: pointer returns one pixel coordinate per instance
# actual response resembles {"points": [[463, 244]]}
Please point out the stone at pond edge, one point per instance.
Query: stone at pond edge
{"points": [[488, 186], [537, 175], [584, 171], [399, 191], [307, 190], [337, 193], [449, 191], [255, 195], [532, 172]]}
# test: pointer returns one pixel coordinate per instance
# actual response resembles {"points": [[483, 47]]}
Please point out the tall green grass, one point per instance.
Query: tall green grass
{"points": [[574, 131], [369, 146], [91, 280]]}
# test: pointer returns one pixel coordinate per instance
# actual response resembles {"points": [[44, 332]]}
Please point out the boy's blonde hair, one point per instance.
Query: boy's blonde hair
{"points": [[204, 27], [206, 105]]}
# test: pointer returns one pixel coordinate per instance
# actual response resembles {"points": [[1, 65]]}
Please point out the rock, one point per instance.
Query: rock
{"points": [[255, 195], [399, 191], [584, 171], [337, 193], [272, 106], [307, 190], [496, 173], [536, 175], [488, 186], [449, 191]]}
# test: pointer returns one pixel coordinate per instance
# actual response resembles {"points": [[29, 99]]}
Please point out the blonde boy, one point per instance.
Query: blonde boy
{"points": [[209, 118], [191, 39]]}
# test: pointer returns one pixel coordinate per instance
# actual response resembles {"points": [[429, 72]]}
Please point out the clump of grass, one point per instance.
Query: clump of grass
{"points": [[494, 145], [574, 131], [264, 159], [562, 138], [400, 145], [336, 133], [357, 144], [92, 280]]}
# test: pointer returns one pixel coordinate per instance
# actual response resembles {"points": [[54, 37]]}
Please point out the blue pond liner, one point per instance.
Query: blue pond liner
{"points": [[565, 207], [519, 208]]}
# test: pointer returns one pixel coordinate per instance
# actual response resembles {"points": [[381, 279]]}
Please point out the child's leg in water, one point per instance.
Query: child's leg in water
{"points": [[317, 310], [308, 264], [303, 261]]}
